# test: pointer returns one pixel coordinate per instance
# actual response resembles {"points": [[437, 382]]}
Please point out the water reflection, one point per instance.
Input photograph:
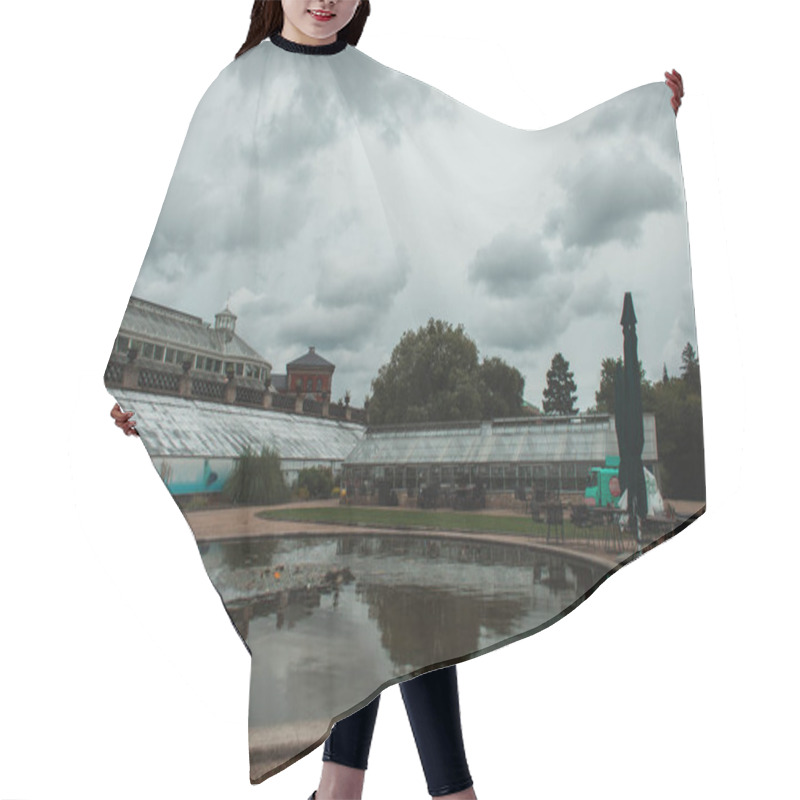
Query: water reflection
{"points": [[429, 599], [331, 619]]}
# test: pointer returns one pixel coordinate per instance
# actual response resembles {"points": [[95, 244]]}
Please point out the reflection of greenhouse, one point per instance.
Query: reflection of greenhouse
{"points": [[501, 456]]}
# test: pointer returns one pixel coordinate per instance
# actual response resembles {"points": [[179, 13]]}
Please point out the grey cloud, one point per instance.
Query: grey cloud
{"points": [[683, 330], [329, 329], [608, 197], [390, 100], [570, 260], [591, 296], [373, 286], [510, 264], [247, 171], [528, 323], [287, 137], [258, 317]]}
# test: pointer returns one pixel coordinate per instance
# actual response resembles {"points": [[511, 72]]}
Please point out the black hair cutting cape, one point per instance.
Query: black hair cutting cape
{"points": [[351, 277]]}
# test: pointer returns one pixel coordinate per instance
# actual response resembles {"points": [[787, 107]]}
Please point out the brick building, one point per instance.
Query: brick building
{"points": [[311, 374]]}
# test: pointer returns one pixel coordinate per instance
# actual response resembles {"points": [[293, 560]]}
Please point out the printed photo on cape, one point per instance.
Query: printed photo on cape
{"points": [[122, 674], [336, 347]]}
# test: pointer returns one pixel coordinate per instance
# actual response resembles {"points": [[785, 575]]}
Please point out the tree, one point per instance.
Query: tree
{"points": [[690, 368], [433, 375], [679, 428], [604, 396], [679, 425], [559, 395], [256, 479], [502, 387]]}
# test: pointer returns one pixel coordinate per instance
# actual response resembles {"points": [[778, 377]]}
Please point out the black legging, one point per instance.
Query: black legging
{"points": [[432, 706]]}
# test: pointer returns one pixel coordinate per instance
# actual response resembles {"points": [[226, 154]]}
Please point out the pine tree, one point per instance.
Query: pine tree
{"points": [[559, 395], [690, 368]]}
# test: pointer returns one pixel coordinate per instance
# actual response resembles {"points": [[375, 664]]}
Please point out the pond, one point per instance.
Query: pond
{"points": [[329, 619]]}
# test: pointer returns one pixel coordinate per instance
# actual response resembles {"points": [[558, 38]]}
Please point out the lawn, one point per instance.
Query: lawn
{"points": [[415, 519]]}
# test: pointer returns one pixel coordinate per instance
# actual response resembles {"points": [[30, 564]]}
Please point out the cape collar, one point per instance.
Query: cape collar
{"points": [[308, 49]]}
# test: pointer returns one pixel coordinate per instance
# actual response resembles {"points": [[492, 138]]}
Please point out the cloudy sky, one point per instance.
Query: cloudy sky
{"points": [[334, 202]]}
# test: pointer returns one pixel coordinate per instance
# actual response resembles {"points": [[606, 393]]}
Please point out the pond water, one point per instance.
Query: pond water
{"points": [[330, 619]]}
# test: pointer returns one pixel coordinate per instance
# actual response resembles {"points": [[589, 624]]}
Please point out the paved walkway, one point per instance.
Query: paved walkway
{"points": [[234, 523]]}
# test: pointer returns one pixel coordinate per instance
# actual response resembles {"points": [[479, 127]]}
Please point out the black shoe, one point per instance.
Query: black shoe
{"points": [[313, 795]]}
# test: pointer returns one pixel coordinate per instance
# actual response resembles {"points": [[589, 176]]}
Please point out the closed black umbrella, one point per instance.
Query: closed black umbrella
{"points": [[628, 417]]}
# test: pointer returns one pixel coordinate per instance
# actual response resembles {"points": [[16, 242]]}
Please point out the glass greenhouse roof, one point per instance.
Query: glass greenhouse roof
{"points": [[182, 427], [501, 441]]}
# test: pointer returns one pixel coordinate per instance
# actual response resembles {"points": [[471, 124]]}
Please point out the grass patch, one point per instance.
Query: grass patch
{"points": [[416, 519]]}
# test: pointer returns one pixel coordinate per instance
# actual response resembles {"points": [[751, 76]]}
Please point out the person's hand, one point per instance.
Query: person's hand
{"points": [[675, 82], [122, 419]]}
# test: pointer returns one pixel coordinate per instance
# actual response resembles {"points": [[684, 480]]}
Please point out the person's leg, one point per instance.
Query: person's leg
{"points": [[433, 710], [346, 753]]}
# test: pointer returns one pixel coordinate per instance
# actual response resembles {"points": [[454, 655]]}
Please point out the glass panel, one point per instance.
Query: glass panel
{"points": [[158, 352], [569, 481]]}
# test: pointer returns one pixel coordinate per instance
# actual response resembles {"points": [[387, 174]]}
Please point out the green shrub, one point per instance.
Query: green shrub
{"points": [[256, 479], [195, 502], [318, 481]]}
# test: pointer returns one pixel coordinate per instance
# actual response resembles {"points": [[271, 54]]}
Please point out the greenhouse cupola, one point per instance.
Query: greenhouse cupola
{"points": [[225, 323]]}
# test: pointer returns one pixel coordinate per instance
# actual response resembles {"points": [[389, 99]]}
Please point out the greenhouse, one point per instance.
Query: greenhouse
{"points": [[501, 456], [194, 444]]}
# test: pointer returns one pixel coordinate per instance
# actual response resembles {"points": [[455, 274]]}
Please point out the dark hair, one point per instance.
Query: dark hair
{"points": [[266, 18]]}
